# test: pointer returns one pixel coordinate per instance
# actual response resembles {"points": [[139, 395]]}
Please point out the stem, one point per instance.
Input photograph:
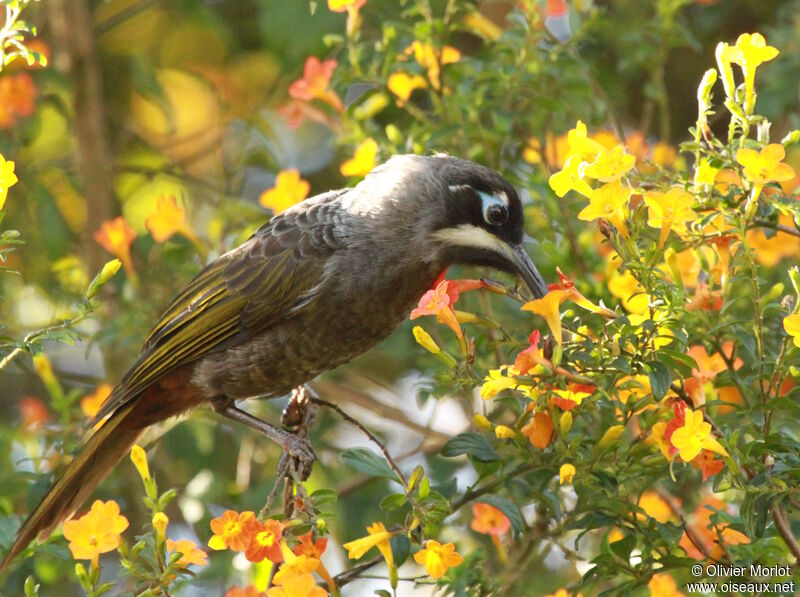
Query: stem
{"points": [[785, 530]]}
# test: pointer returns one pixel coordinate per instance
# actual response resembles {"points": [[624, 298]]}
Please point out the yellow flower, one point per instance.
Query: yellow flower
{"points": [[297, 586], [343, 5], [570, 178], [482, 26], [750, 51], [765, 166], [190, 553], [139, 459], [569, 398], [98, 531], [116, 236], [91, 403], [289, 189], [792, 326], [705, 173], [424, 339], [655, 506], [504, 432], [547, 307], [160, 522], [363, 159], [7, 179], [437, 558], [669, 211], [581, 145], [566, 473], [294, 565], [627, 288], [403, 85], [608, 202], [431, 59], [610, 166], [694, 436], [497, 381], [167, 219], [378, 537]]}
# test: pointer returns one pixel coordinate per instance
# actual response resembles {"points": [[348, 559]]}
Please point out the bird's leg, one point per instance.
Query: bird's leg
{"points": [[295, 446], [298, 416]]}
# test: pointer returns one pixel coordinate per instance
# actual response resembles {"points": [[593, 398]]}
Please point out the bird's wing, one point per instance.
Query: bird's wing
{"points": [[273, 275]]}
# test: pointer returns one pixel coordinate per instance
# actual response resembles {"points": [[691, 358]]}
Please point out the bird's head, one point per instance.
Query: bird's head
{"points": [[463, 213]]}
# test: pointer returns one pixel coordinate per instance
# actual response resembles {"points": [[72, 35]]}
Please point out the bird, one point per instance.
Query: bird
{"points": [[317, 285]]}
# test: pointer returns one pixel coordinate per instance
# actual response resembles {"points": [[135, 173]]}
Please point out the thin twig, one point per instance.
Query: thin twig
{"points": [[785, 530], [349, 576], [353, 421], [778, 227]]}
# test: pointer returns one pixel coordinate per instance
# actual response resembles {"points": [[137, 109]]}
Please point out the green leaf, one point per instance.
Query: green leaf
{"points": [[507, 507], [393, 501], [367, 462], [660, 379], [471, 444]]}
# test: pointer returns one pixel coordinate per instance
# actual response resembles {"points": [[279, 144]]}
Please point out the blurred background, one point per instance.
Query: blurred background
{"points": [[184, 109]]}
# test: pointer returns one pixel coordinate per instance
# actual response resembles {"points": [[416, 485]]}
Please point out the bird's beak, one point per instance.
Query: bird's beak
{"points": [[527, 270]]}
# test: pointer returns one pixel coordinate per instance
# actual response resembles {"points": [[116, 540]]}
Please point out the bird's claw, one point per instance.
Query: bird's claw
{"points": [[298, 456]]}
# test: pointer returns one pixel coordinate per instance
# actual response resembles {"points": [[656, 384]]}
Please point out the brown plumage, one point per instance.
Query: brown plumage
{"points": [[314, 287]]}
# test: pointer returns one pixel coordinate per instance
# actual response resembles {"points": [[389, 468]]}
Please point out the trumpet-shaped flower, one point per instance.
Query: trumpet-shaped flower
{"points": [[566, 473], [315, 83], [792, 326], [488, 520], [574, 295], [610, 166], [539, 430], [572, 396], [581, 145], [116, 237], [761, 167], [378, 537], [570, 178], [750, 51], [531, 357], [7, 179], [437, 558], [309, 547], [609, 203], [694, 436], [438, 302], [232, 531], [363, 160], [669, 211], [547, 307], [190, 553], [289, 189], [167, 219], [98, 531], [294, 565], [403, 85], [265, 542], [302, 585], [502, 379]]}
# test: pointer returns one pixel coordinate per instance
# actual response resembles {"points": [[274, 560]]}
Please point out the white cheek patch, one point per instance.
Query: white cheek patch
{"points": [[470, 236]]}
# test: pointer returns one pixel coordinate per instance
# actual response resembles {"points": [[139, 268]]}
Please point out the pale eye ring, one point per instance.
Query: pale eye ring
{"points": [[495, 214]]}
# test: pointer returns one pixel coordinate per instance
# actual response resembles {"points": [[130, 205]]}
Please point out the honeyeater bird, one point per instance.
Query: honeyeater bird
{"points": [[313, 288]]}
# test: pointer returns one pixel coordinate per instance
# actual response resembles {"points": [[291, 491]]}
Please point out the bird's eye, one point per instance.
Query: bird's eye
{"points": [[495, 214]]}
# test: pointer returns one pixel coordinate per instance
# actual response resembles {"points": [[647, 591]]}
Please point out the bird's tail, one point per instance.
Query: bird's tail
{"points": [[104, 448]]}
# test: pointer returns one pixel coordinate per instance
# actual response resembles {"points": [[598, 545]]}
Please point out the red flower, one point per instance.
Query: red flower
{"points": [[265, 542], [310, 548]]}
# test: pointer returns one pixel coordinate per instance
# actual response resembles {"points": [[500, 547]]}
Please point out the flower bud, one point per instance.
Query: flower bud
{"points": [[371, 106], [565, 423], [503, 432], [482, 422], [160, 521], [104, 275], [424, 339], [724, 65], [139, 460], [566, 473], [610, 437]]}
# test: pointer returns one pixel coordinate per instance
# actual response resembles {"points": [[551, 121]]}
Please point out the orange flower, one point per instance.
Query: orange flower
{"points": [[296, 112], [294, 565], [437, 558], [707, 463], [167, 219], [539, 430], [711, 536], [363, 160], [315, 83], [248, 591], [531, 357], [574, 295], [232, 531], [309, 547], [297, 586], [190, 553], [98, 531], [663, 585], [572, 396], [655, 506], [488, 520], [289, 189], [17, 98], [265, 542], [438, 301], [34, 412], [116, 236], [91, 403]]}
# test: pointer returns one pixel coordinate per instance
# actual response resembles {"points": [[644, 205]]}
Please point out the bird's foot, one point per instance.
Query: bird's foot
{"points": [[298, 457]]}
